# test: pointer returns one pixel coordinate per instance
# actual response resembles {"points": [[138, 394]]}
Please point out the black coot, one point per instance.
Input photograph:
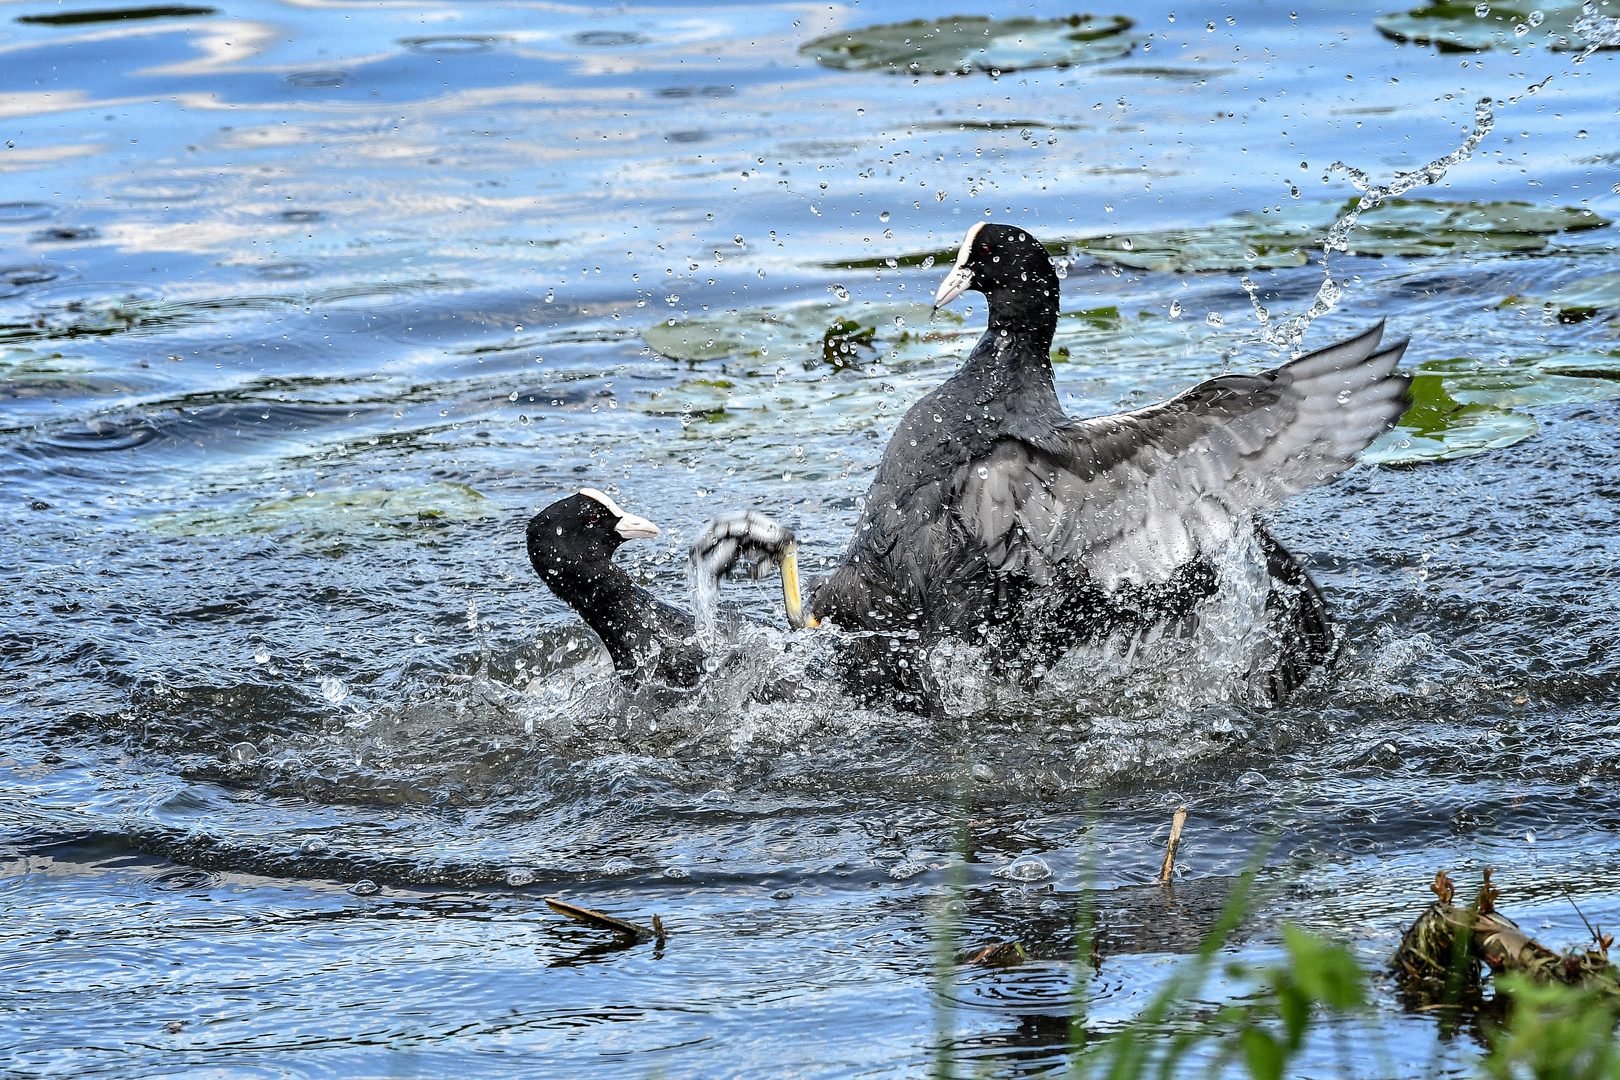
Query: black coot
{"points": [[996, 517]]}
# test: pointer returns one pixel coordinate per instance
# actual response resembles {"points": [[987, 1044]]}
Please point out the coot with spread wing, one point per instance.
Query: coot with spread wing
{"points": [[996, 517]]}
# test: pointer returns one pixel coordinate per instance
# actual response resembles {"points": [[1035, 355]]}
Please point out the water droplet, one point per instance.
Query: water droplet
{"points": [[1536, 18], [928, 263], [1482, 10], [1175, 309], [261, 655], [738, 240], [883, 216], [1214, 319], [244, 752], [313, 845], [512, 396], [860, 112], [524, 419], [363, 887], [618, 865], [674, 872], [781, 894], [840, 292], [939, 196], [1127, 244], [1025, 868], [333, 690], [1050, 907], [1530, 836]]}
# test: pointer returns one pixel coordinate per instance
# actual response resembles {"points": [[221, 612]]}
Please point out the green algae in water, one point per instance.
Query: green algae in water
{"points": [[974, 42], [370, 513], [1453, 27]]}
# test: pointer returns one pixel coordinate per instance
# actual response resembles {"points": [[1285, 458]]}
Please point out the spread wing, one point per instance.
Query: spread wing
{"points": [[1129, 498]]}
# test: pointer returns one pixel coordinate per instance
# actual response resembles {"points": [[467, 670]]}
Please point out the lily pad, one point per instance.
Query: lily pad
{"points": [[974, 42], [1585, 298], [1528, 381], [1438, 427], [364, 511], [1453, 27], [808, 334], [1419, 227], [1235, 244]]}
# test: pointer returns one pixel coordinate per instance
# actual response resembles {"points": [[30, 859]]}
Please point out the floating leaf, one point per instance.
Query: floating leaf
{"points": [[969, 42], [1438, 428], [1453, 27], [1415, 227], [365, 511], [1584, 298], [799, 333]]}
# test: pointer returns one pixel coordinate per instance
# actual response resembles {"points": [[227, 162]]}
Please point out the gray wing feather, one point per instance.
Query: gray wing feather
{"points": [[1134, 496]]}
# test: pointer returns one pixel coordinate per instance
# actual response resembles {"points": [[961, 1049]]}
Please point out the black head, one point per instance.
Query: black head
{"points": [[1011, 269], [580, 533]]}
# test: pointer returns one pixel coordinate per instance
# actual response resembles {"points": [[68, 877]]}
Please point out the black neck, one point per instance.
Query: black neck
{"points": [[609, 602], [1031, 319]]}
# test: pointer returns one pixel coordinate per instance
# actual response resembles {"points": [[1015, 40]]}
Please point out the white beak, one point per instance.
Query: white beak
{"points": [[632, 527], [955, 284]]}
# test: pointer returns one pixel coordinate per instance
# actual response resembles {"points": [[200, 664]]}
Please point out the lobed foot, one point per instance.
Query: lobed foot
{"points": [[758, 543]]}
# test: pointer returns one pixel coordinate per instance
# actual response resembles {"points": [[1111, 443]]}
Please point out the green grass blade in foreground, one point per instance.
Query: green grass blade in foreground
{"points": [[1128, 1054]]}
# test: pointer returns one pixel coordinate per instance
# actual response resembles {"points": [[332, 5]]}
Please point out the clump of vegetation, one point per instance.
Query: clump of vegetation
{"points": [[842, 344]]}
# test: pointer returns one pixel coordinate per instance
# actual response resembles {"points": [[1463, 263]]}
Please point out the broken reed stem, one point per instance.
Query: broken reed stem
{"points": [[1175, 841]]}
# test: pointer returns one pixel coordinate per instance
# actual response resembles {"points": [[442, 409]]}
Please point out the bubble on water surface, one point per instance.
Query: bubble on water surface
{"points": [[1025, 868], [601, 39], [68, 234], [313, 845], [261, 655], [169, 190], [18, 213], [618, 865], [16, 280], [452, 44], [716, 797], [318, 79], [781, 894], [244, 752], [674, 872], [906, 870], [364, 887], [519, 876]]}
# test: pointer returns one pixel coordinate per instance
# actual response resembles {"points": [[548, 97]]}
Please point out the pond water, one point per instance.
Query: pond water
{"points": [[306, 307]]}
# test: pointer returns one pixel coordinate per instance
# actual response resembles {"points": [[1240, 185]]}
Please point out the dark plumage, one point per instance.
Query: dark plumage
{"points": [[996, 517], [571, 545]]}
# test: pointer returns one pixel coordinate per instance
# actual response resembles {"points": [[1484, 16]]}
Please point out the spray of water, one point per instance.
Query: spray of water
{"points": [[1598, 31], [1285, 336]]}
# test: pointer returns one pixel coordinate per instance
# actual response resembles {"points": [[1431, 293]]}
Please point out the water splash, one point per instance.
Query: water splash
{"points": [[1285, 336], [1598, 31]]}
